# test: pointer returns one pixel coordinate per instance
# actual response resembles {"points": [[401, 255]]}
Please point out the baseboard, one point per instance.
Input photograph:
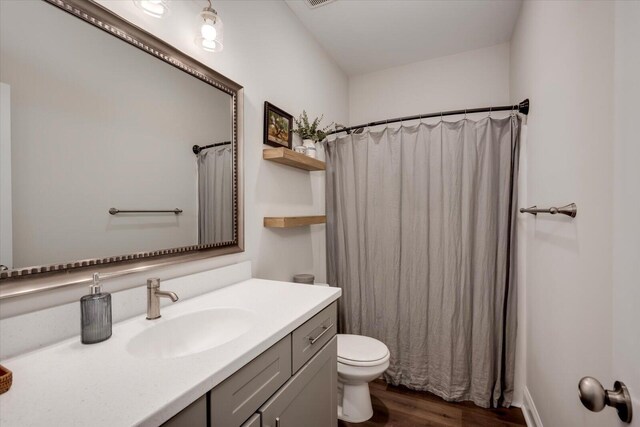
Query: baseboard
{"points": [[529, 410]]}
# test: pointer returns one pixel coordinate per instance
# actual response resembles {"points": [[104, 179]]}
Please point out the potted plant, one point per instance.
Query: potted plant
{"points": [[310, 132]]}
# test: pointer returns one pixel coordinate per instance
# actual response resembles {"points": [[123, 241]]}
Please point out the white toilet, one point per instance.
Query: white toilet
{"points": [[360, 360]]}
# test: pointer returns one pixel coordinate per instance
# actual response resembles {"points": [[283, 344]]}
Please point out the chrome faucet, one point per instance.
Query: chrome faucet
{"points": [[153, 298]]}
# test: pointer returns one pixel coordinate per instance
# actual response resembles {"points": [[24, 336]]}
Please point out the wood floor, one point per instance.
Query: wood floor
{"points": [[401, 407]]}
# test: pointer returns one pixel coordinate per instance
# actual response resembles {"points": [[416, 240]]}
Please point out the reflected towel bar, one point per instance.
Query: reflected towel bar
{"points": [[114, 211], [570, 210]]}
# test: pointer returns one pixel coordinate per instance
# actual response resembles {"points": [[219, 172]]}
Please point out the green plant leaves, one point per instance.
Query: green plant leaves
{"points": [[311, 130]]}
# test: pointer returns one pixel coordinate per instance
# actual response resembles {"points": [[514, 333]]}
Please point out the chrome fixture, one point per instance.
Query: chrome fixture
{"points": [[570, 210], [325, 329], [155, 8], [210, 30], [594, 397], [114, 211], [153, 298]]}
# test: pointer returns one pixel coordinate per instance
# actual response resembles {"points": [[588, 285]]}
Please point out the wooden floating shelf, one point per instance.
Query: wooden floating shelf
{"points": [[293, 221], [291, 158]]}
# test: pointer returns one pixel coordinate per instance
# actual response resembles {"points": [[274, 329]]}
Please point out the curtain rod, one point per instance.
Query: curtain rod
{"points": [[197, 149], [522, 108]]}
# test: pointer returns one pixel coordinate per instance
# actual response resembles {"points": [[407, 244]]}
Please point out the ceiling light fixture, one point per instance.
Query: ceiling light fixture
{"points": [[155, 8], [210, 30]]}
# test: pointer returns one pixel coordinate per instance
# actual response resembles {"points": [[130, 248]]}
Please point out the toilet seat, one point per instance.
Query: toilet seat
{"points": [[358, 350]]}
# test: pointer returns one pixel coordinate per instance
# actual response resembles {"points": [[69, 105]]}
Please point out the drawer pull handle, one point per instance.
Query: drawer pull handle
{"points": [[324, 331], [277, 421]]}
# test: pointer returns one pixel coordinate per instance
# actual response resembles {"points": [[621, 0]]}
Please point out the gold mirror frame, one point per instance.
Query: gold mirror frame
{"points": [[28, 280]]}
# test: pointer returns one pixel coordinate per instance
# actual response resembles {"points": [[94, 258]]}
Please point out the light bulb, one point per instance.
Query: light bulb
{"points": [[209, 45], [208, 31], [155, 8]]}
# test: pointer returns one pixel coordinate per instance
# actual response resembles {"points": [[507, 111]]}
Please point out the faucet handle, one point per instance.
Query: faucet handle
{"points": [[153, 283]]}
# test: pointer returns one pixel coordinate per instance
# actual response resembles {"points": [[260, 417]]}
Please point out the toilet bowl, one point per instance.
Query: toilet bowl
{"points": [[360, 360]]}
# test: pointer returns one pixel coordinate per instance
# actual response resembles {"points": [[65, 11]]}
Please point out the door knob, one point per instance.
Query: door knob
{"points": [[594, 397]]}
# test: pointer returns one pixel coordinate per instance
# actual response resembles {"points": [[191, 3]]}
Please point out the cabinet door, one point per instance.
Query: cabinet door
{"points": [[309, 398], [194, 415]]}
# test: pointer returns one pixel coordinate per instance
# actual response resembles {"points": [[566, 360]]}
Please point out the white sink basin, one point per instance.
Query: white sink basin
{"points": [[191, 333]]}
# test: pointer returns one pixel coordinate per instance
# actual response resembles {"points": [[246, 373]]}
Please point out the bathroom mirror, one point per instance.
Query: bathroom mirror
{"points": [[100, 123]]}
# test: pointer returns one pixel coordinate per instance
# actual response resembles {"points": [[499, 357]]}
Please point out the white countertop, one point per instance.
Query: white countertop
{"points": [[72, 384]]}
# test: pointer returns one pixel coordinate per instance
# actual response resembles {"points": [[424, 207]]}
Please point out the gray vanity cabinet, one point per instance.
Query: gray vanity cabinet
{"points": [[194, 415], [292, 384], [309, 398]]}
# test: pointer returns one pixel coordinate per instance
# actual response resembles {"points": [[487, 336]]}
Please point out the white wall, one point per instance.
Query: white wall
{"points": [[6, 217], [626, 201], [562, 58], [270, 53], [296, 75], [88, 136], [478, 78]]}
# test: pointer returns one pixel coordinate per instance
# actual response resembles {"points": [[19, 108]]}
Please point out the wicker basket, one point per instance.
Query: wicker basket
{"points": [[6, 378]]}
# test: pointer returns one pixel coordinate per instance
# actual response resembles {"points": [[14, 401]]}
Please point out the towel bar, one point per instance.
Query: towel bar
{"points": [[114, 211], [570, 210]]}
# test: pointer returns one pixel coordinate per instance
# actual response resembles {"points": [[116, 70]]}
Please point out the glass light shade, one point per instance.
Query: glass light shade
{"points": [[155, 8], [210, 31]]}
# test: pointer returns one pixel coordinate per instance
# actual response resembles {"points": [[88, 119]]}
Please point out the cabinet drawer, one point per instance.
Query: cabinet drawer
{"points": [[240, 395], [315, 333], [309, 398]]}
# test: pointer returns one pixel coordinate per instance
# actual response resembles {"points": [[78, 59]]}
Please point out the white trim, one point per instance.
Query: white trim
{"points": [[529, 410]]}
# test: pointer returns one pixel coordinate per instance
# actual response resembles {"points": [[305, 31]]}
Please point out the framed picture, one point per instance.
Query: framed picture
{"points": [[278, 126]]}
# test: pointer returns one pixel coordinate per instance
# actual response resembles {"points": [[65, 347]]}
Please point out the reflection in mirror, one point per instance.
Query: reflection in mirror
{"points": [[98, 124], [215, 195]]}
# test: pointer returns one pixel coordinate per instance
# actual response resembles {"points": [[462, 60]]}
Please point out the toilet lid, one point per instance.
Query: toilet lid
{"points": [[357, 349]]}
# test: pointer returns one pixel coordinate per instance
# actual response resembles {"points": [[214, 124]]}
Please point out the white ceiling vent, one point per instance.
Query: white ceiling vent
{"points": [[317, 3]]}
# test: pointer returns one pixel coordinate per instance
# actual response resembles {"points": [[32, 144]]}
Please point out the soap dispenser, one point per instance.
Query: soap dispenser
{"points": [[95, 312]]}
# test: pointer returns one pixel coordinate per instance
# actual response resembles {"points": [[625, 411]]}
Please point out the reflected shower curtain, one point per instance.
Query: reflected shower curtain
{"points": [[215, 195], [421, 239]]}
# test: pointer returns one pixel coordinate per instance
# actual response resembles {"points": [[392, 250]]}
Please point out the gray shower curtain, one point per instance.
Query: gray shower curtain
{"points": [[215, 195], [421, 239]]}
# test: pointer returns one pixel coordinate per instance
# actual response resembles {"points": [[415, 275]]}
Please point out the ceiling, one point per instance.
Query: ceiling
{"points": [[370, 35]]}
